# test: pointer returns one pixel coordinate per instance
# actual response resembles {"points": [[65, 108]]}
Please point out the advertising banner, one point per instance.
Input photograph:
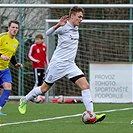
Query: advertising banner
{"points": [[111, 83]]}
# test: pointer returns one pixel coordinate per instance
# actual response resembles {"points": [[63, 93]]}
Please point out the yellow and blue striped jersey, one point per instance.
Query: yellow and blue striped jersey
{"points": [[8, 47]]}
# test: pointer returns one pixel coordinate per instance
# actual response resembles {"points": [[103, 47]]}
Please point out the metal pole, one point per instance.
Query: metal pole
{"points": [[0, 24], [130, 34], [47, 44], [97, 21], [66, 5], [20, 51]]}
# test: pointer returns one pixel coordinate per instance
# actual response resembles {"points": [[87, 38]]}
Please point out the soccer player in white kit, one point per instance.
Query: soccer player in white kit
{"points": [[62, 62]]}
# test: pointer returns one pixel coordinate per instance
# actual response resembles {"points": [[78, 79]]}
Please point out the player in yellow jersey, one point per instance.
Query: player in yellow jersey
{"points": [[8, 48]]}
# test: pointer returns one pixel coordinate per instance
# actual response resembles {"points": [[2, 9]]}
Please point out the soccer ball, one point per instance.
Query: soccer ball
{"points": [[88, 117], [60, 99], [39, 99]]}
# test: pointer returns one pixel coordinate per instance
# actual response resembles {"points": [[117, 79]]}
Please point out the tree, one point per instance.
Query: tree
{"points": [[31, 19]]}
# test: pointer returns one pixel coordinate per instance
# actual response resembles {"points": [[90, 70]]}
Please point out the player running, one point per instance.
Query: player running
{"points": [[63, 61], [8, 47]]}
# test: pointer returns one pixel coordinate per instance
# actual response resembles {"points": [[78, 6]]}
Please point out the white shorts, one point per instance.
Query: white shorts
{"points": [[58, 70]]}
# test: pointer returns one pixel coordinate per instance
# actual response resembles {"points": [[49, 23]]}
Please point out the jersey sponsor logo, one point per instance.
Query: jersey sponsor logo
{"points": [[15, 46], [73, 38]]}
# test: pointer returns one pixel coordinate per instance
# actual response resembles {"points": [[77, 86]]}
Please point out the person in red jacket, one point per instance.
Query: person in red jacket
{"points": [[37, 54]]}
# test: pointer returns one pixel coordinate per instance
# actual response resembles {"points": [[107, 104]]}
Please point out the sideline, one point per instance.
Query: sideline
{"points": [[60, 117]]}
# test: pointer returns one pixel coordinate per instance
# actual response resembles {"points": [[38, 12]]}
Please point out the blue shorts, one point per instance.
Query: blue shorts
{"points": [[5, 76]]}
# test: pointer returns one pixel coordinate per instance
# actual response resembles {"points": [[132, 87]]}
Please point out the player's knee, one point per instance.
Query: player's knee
{"points": [[85, 86], [45, 87], [7, 86]]}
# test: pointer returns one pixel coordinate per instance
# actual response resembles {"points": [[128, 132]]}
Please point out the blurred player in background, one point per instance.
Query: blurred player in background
{"points": [[63, 61], [8, 47], [37, 54]]}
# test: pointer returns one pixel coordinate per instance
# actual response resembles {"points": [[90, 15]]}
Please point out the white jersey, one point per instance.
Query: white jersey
{"points": [[62, 62], [68, 37]]}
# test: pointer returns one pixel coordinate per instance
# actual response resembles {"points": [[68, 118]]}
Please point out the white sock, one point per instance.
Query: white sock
{"points": [[33, 93], [0, 108], [87, 99]]}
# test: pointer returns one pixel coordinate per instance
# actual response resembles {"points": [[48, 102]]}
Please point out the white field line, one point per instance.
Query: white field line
{"points": [[60, 117]]}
